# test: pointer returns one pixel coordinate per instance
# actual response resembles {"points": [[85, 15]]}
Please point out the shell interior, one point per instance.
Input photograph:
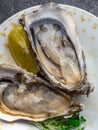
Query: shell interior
{"points": [[54, 38], [26, 96]]}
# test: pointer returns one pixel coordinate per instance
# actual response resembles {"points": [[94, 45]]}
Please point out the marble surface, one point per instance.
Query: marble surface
{"points": [[10, 7]]}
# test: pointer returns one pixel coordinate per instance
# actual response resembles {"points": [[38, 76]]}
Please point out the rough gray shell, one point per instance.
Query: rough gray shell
{"points": [[55, 41], [25, 96]]}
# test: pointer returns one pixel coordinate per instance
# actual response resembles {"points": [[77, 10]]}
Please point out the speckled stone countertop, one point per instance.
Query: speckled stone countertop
{"points": [[10, 7]]}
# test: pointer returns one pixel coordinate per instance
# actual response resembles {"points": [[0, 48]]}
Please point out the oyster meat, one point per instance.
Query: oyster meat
{"points": [[55, 41], [25, 96]]}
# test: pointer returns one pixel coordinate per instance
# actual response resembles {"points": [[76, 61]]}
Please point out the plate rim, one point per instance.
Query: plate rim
{"points": [[36, 6], [63, 5]]}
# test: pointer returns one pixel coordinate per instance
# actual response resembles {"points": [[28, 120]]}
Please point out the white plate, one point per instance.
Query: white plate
{"points": [[87, 25]]}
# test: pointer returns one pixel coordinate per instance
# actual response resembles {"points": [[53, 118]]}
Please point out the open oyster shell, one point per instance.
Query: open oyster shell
{"points": [[26, 96], [55, 41]]}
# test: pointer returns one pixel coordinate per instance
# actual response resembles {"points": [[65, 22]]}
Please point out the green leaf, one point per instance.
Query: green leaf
{"points": [[61, 123], [74, 123], [82, 119], [81, 128]]}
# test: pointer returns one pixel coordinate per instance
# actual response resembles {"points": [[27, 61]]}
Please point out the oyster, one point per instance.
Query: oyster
{"points": [[25, 96], [55, 41]]}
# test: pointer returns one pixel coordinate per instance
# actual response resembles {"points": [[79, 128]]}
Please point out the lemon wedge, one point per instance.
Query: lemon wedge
{"points": [[21, 51]]}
